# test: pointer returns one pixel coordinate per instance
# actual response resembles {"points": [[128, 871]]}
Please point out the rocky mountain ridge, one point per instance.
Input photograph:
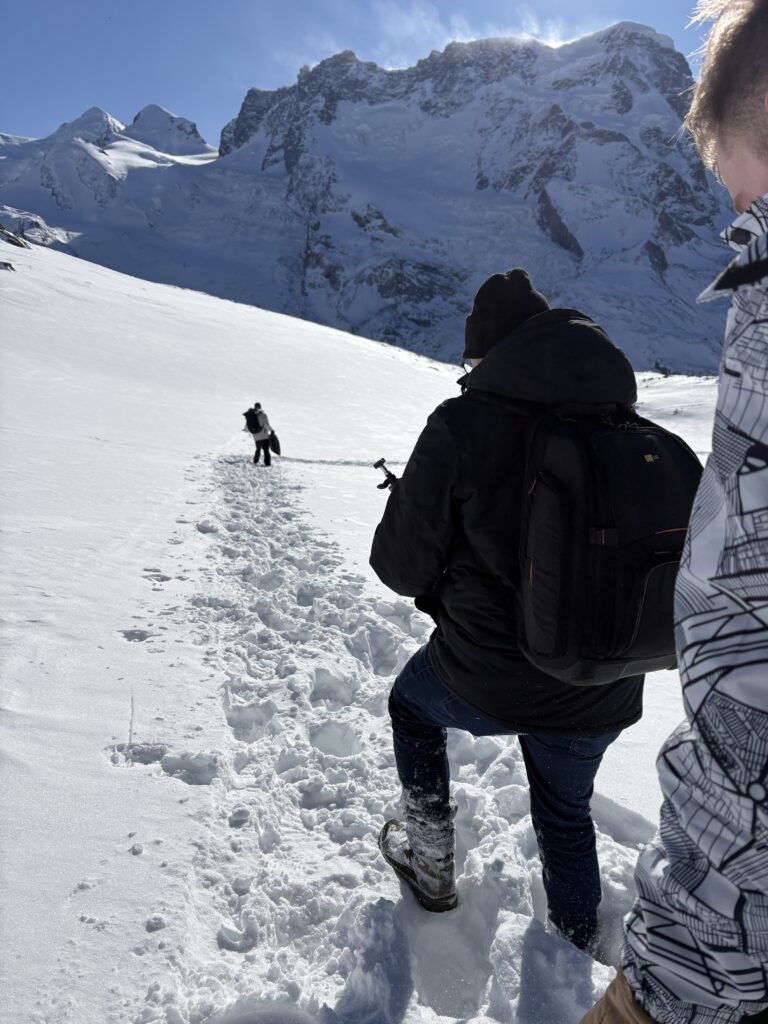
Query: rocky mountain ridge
{"points": [[378, 200]]}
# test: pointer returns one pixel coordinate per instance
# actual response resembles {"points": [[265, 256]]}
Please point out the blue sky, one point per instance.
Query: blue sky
{"points": [[198, 57]]}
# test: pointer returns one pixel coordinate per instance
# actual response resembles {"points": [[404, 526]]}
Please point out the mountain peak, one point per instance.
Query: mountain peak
{"points": [[634, 32], [343, 57], [153, 113], [93, 114], [166, 132], [94, 125]]}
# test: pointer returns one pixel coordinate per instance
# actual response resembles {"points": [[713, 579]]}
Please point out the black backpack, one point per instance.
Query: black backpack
{"points": [[252, 420], [606, 505]]}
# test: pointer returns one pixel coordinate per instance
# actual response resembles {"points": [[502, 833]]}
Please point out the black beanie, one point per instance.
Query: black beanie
{"points": [[502, 303]]}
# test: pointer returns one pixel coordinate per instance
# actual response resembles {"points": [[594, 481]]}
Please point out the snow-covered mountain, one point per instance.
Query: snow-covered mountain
{"points": [[378, 200], [78, 176], [159, 128]]}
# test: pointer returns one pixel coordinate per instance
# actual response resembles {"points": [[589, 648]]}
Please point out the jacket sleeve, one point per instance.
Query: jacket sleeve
{"points": [[265, 423], [696, 944], [411, 543]]}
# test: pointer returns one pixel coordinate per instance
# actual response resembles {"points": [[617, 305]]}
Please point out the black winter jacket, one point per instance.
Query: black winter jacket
{"points": [[450, 532]]}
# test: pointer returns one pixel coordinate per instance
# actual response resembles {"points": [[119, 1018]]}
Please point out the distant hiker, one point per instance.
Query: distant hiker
{"points": [[257, 423], [696, 940], [450, 538]]}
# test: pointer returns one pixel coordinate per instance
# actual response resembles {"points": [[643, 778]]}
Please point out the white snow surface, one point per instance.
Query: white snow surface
{"points": [[196, 659]]}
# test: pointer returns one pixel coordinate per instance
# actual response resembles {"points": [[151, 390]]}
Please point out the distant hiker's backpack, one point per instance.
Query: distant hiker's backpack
{"points": [[606, 506], [252, 421]]}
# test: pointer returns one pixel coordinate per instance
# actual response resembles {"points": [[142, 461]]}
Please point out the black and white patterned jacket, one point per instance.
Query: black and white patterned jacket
{"points": [[696, 949]]}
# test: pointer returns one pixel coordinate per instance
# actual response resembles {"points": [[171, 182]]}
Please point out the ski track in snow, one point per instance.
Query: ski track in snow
{"points": [[291, 911]]}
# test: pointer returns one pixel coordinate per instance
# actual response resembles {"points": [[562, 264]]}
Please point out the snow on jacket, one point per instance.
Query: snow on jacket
{"points": [[450, 532], [258, 424], [696, 949]]}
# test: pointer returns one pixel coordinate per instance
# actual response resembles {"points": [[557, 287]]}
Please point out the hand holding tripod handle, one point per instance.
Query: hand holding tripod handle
{"points": [[389, 476]]}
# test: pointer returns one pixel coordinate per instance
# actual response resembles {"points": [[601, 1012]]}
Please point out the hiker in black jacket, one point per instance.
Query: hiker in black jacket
{"points": [[257, 423], [449, 538]]}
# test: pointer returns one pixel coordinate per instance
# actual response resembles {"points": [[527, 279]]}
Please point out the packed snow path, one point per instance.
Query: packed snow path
{"points": [[289, 901]]}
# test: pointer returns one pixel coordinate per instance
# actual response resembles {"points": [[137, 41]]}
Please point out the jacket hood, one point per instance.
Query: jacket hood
{"points": [[559, 357]]}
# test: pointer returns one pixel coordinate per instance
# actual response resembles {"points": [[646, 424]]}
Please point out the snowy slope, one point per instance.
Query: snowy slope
{"points": [[196, 755], [377, 201]]}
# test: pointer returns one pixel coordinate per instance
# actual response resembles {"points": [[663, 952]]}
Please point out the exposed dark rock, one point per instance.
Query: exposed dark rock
{"points": [[13, 239], [673, 230], [622, 97], [656, 257], [552, 223], [398, 278], [373, 220], [255, 107]]}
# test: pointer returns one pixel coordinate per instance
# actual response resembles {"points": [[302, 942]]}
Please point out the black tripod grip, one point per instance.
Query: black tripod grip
{"points": [[389, 476]]}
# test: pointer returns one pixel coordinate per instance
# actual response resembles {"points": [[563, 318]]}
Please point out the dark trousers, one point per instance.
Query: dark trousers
{"points": [[561, 772], [263, 446]]}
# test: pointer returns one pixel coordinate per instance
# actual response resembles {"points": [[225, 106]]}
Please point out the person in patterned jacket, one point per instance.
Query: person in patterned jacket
{"points": [[696, 941]]}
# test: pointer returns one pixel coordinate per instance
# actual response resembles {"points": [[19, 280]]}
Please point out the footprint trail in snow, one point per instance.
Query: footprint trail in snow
{"points": [[291, 907]]}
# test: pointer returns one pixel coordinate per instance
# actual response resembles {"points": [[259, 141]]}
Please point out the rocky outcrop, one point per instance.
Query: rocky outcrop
{"points": [[552, 224]]}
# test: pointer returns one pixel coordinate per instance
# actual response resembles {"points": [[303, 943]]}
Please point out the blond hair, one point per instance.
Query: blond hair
{"points": [[730, 94]]}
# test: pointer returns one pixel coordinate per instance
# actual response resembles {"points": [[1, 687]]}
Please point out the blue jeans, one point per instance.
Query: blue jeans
{"points": [[561, 772]]}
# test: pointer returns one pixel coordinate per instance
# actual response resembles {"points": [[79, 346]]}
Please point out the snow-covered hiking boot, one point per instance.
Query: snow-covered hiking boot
{"points": [[431, 880], [585, 937]]}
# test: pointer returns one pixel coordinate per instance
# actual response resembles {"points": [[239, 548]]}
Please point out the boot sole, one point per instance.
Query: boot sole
{"points": [[434, 904]]}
